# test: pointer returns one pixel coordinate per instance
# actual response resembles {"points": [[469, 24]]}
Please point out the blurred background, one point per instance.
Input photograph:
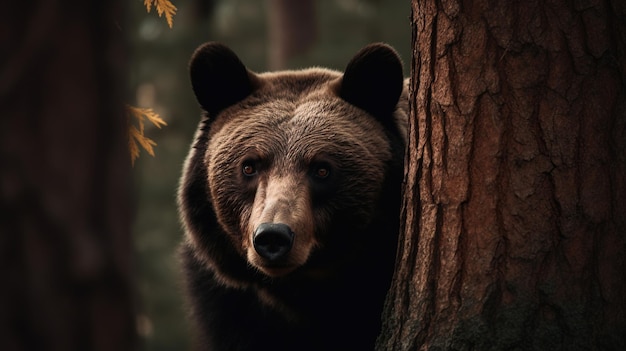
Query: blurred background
{"points": [[266, 35]]}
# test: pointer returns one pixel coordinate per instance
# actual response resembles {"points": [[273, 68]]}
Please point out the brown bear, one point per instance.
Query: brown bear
{"points": [[290, 200]]}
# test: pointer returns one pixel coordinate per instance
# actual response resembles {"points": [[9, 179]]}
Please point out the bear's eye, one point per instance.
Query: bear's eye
{"points": [[321, 171], [249, 169]]}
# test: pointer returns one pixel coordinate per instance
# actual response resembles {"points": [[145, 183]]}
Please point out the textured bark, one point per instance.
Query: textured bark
{"points": [[64, 193], [515, 196]]}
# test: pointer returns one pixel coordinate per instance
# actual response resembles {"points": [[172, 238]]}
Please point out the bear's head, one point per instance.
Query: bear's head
{"points": [[293, 173]]}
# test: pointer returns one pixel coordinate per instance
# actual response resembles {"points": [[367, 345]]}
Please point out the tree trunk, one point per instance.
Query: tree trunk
{"points": [[64, 180], [515, 196], [292, 30]]}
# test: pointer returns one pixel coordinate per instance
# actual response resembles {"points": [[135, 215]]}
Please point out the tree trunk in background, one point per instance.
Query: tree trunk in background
{"points": [[515, 197], [65, 240], [292, 30]]}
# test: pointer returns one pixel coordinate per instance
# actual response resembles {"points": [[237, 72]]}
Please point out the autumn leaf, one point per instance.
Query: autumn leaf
{"points": [[162, 7], [136, 135]]}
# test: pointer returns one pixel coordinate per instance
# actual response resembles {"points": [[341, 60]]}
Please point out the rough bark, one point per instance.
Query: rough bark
{"points": [[515, 196], [64, 192]]}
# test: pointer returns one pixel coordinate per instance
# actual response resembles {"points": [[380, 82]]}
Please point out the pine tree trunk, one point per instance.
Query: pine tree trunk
{"points": [[515, 197], [64, 180]]}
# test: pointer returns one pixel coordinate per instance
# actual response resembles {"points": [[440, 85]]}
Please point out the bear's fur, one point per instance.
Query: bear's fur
{"points": [[290, 201]]}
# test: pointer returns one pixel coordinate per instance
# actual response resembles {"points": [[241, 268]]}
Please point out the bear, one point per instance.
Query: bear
{"points": [[290, 201]]}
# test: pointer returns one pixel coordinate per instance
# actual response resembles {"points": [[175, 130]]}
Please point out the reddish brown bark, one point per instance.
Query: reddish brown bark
{"points": [[515, 197], [64, 194]]}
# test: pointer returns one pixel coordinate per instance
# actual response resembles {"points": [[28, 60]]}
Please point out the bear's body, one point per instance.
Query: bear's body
{"points": [[290, 200]]}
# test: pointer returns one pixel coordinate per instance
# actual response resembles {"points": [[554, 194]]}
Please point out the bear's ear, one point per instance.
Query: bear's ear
{"points": [[373, 79], [218, 77]]}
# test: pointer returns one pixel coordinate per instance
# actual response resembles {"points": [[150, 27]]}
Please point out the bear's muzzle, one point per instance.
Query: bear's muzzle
{"points": [[273, 241]]}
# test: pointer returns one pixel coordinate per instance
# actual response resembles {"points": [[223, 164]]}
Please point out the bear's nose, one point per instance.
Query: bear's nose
{"points": [[273, 240]]}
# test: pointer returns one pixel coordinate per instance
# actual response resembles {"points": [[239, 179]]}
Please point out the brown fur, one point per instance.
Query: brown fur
{"points": [[287, 125]]}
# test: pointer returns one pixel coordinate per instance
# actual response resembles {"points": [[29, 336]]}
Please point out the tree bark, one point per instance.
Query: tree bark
{"points": [[515, 194], [64, 181]]}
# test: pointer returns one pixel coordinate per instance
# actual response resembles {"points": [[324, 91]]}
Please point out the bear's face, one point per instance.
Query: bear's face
{"points": [[305, 160], [294, 162]]}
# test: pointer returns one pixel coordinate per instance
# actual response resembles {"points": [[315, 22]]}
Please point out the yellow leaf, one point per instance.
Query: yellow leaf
{"points": [[148, 4], [149, 114], [147, 144], [163, 7], [132, 146], [136, 135]]}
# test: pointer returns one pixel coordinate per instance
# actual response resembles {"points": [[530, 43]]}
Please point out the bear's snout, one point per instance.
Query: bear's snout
{"points": [[273, 241]]}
